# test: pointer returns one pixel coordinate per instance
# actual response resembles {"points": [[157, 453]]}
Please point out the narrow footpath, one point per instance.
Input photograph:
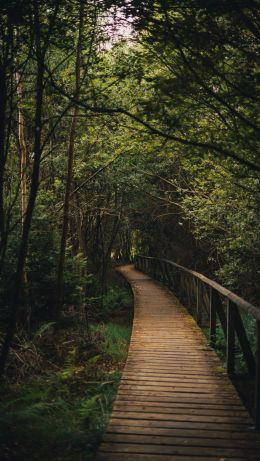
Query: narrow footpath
{"points": [[175, 401]]}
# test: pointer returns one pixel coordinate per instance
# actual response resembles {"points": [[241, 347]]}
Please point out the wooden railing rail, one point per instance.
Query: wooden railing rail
{"points": [[208, 301]]}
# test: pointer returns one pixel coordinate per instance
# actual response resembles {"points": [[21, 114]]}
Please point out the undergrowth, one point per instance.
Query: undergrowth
{"points": [[58, 407], [113, 339], [51, 419]]}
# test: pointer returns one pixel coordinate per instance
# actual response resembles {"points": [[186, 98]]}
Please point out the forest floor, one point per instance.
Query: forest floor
{"points": [[57, 406]]}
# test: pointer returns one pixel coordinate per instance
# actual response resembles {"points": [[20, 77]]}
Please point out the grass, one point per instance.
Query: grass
{"points": [[113, 339]]}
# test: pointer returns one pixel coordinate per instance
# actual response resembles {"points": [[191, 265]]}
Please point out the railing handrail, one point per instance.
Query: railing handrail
{"points": [[240, 302]]}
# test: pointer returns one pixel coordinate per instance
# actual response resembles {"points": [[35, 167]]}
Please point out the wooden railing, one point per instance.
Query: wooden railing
{"points": [[217, 308]]}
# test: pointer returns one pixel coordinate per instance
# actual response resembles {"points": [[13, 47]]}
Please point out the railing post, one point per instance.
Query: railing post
{"points": [[257, 378], [244, 342], [153, 269], [213, 316], [138, 262], [198, 302], [169, 282], [164, 277], [158, 270], [230, 338]]}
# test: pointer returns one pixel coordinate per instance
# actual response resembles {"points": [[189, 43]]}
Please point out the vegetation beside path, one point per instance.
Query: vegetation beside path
{"points": [[61, 385]]}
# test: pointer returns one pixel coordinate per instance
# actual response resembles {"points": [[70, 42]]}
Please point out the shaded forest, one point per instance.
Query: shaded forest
{"points": [[126, 127]]}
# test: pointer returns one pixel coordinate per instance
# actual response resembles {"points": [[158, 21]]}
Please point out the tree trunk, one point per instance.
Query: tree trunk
{"points": [[25, 314], [18, 277], [5, 121], [3, 103], [66, 206], [22, 149]]}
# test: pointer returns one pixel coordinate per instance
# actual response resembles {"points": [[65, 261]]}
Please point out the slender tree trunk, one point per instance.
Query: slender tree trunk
{"points": [[18, 278], [72, 135], [113, 235], [6, 52], [3, 103], [22, 149], [25, 316]]}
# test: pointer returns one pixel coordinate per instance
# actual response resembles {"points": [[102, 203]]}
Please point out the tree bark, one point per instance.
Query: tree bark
{"points": [[69, 181], [5, 120], [22, 149], [25, 314], [3, 103], [18, 277]]}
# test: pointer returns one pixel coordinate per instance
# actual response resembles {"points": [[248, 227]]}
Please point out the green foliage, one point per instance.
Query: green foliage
{"points": [[115, 299], [44, 328], [48, 420], [62, 414], [113, 339]]}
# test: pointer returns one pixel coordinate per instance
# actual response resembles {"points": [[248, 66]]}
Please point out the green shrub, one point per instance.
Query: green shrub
{"points": [[116, 298]]}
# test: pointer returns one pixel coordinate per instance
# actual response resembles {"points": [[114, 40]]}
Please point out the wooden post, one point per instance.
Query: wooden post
{"points": [[257, 379], [164, 277], [189, 298], [161, 276], [169, 280], [244, 342], [154, 268], [213, 316], [198, 302], [230, 338], [178, 290]]}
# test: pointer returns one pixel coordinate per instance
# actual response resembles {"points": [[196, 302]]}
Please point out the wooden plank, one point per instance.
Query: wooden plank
{"points": [[172, 378], [202, 406], [250, 437], [181, 415], [146, 422], [175, 450], [188, 410], [174, 370], [180, 440], [159, 416], [112, 456], [180, 397], [163, 381], [181, 388]]}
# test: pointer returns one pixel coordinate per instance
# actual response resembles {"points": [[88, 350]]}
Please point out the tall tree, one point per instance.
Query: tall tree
{"points": [[70, 156], [40, 54]]}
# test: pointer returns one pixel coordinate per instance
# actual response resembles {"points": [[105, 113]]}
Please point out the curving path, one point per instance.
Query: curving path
{"points": [[175, 402]]}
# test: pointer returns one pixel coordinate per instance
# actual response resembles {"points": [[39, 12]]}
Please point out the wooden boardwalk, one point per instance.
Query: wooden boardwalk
{"points": [[175, 402]]}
